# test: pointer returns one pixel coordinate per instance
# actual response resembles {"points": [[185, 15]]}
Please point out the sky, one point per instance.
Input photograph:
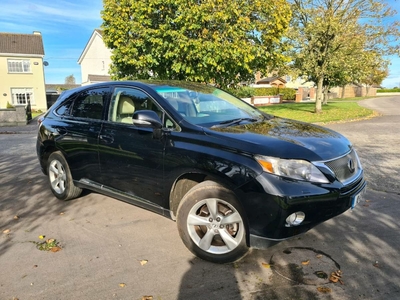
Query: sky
{"points": [[66, 27]]}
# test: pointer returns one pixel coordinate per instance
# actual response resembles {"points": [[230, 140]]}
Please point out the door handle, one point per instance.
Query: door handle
{"points": [[61, 131], [108, 139]]}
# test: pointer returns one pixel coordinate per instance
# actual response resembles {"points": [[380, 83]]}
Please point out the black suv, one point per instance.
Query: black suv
{"points": [[229, 174]]}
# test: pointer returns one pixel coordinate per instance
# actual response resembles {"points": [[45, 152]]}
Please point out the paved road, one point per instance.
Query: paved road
{"points": [[377, 141], [104, 241]]}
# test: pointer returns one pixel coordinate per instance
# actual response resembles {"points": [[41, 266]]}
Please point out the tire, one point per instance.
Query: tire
{"points": [[211, 223], [60, 179]]}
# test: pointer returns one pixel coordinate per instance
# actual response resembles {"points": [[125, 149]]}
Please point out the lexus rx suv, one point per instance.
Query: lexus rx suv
{"points": [[230, 175]]}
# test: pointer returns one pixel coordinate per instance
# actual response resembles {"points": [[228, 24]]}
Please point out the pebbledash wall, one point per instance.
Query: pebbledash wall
{"points": [[13, 116]]}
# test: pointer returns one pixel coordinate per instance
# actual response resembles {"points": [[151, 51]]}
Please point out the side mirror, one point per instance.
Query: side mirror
{"points": [[146, 119]]}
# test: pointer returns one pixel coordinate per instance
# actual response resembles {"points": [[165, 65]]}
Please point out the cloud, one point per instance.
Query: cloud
{"points": [[45, 15]]}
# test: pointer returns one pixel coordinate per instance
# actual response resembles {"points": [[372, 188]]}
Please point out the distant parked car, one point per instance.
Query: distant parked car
{"points": [[230, 175]]}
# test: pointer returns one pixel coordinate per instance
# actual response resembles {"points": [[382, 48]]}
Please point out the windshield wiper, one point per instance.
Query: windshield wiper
{"points": [[234, 121]]}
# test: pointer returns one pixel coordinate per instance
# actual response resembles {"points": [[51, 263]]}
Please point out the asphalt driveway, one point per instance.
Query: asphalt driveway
{"points": [[113, 250]]}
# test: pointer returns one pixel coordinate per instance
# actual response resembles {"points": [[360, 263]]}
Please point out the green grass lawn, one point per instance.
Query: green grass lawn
{"points": [[339, 111], [35, 114]]}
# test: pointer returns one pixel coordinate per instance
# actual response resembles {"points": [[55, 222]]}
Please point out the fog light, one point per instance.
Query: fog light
{"points": [[295, 219]]}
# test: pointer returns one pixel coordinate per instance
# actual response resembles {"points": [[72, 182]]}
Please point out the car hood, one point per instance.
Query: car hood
{"points": [[284, 138]]}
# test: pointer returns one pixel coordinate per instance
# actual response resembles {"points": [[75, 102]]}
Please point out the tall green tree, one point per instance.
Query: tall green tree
{"points": [[337, 41], [209, 41]]}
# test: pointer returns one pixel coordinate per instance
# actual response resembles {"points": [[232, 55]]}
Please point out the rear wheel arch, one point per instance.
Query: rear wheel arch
{"points": [[48, 149], [60, 179]]}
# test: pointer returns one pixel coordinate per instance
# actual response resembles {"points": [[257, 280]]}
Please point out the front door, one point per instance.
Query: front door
{"points": [[131, 159]]}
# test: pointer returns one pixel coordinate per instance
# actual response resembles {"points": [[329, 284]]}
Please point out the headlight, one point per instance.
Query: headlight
{"points": [[292, 168]]}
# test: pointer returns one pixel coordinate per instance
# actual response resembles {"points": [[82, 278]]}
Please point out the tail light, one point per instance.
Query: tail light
{"points": [[40, 120]]}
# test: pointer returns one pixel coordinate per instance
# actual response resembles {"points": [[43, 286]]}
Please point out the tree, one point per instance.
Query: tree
{"points": [[70, 79], [208, 41], [337, 41]]}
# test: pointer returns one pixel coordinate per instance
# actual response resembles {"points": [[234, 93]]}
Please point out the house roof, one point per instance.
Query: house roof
{"points": [[16, 43], [267, 80], [98, 78], [99, 31], [60, 87]]}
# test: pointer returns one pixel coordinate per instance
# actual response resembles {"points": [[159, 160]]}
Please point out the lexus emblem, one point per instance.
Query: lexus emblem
{"points": [[350, 165]]}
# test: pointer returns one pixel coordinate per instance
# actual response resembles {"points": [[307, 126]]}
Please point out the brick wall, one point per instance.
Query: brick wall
{"points": [[350, 91]]}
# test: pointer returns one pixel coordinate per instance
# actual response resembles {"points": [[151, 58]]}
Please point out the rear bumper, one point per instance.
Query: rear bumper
{"points": [[277, 198]]}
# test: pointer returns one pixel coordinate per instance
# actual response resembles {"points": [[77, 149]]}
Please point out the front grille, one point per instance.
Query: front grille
{"points": [[346, 167]]}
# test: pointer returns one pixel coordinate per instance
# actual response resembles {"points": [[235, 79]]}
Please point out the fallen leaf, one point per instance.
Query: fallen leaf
{"points": [[7, 231], [61, 213], [305, 263], [366, 205], [265, 265], [49, 241], [42, 237], [336, 276], [147, 298], [376, 264], [122, 284], [367, 200], [324, 290], [143, 262], [319, 255], [16, 217], [55, 249], [35, 266]]}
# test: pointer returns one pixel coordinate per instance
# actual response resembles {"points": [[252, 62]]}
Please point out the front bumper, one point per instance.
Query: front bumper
{"points": [[270, 199]]}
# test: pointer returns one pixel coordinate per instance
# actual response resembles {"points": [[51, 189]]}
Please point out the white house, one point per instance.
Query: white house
{"points": [[95, 60]]}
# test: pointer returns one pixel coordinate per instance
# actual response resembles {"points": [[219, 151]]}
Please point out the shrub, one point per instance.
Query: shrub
{"points": [[393, 90], [241, 92], [287, 93], [271, 91], [247, 92], [9, 105]]}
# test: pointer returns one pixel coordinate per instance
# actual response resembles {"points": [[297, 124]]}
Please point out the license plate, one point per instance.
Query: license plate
{"points": [[357, 198]]}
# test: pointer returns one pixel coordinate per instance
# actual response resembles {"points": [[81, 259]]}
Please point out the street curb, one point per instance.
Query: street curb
{"points": [[29, 128]]}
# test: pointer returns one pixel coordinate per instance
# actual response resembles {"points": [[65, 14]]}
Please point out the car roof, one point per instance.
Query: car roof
{"points": [[145, 83]]}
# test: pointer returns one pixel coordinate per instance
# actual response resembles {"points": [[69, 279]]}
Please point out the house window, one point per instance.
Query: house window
{"points": [[19, 66], [21, 96]]}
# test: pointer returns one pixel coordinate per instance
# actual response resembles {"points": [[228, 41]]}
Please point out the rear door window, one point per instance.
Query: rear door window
{"points": [[90, 104]]}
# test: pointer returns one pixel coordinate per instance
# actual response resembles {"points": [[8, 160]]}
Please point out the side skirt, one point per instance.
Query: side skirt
{"points": [[113, 193]]}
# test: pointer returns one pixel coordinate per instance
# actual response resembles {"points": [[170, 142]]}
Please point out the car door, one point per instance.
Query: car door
{"points": [[79, 129], [131, 159]]}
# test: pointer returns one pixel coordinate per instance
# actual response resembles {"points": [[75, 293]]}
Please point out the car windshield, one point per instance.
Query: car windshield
{"points": [[206, 105]]}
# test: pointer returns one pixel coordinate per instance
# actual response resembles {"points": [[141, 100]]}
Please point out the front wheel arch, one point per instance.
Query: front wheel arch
{"points": [[212, 223]]}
